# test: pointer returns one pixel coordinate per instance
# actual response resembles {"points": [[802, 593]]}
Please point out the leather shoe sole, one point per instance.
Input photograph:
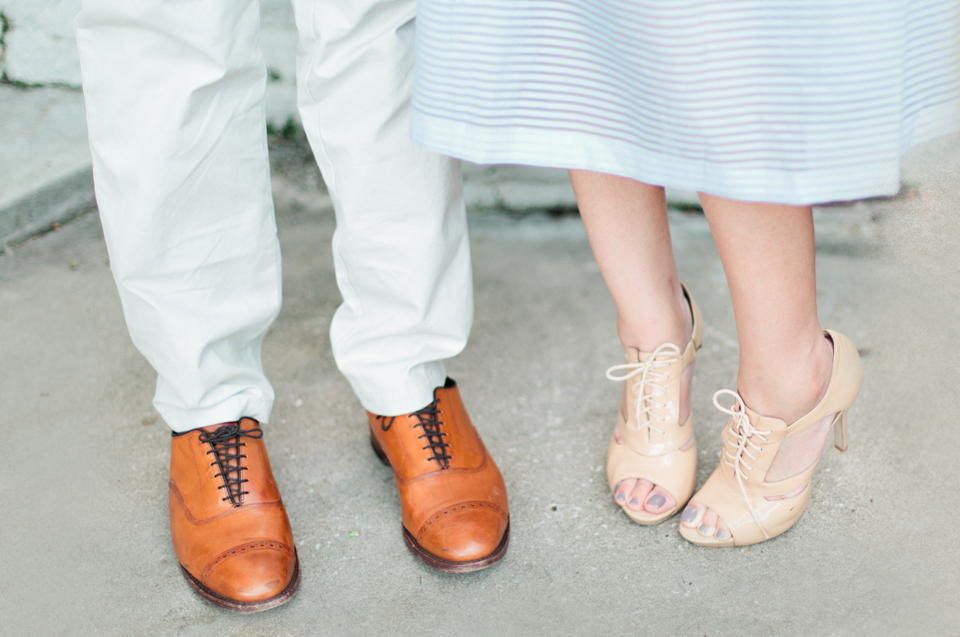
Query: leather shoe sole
{"points": [[457, 567]]}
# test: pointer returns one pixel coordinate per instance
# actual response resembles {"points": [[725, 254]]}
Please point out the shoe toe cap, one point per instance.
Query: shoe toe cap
{"points": [[252, 572], [464, 533]]}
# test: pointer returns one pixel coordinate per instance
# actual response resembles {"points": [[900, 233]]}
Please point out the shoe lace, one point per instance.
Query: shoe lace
{"points": [[225, 443], [743, 433], [646, 402], [429, 422]]}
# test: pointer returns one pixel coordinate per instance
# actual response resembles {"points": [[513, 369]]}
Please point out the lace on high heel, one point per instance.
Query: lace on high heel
{"points": [[753, 509], [646, 402], [649, 442], [744, 432]]}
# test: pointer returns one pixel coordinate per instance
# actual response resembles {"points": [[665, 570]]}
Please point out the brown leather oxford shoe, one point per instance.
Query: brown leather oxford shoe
{"points": [[230, 530], [454, 502]]}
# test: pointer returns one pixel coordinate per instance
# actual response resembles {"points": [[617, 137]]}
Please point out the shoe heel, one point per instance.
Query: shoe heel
{"points": [[840, 432], [377, 450]]}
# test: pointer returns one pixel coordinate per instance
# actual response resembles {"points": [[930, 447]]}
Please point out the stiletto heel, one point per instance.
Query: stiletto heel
{"points": [[840, 432], [753, 509]]}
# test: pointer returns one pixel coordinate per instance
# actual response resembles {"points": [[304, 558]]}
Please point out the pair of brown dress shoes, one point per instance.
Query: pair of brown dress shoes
{"points": [[230, 529]]}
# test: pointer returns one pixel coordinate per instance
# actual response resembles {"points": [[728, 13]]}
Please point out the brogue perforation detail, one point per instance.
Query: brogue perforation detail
{"points": [[457, 508], [243, 548]]}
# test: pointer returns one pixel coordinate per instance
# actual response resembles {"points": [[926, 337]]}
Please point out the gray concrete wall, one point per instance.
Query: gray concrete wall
{"points": [[44, 155], [278, 39], [39, 44], [40, 48]]}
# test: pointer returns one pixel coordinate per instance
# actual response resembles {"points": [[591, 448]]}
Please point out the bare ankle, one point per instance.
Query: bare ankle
{"points": [[671, 323], [792, 388]]}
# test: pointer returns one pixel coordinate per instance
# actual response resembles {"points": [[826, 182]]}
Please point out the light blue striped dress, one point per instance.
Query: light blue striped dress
{"points": [[786, 101]]}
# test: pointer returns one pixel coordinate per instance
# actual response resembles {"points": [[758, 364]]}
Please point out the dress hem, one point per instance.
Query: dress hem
{"points": [[582, 151]]}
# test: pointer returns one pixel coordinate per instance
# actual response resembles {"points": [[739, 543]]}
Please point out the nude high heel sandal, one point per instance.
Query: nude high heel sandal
{"points": [[737, 491], [653, 435]]}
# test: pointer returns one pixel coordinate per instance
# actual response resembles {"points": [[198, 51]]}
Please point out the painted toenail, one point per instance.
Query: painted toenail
{"points": [[689, 514], [703, 528], [721, 534], [634, 501], [621, 497], [656, 501]]}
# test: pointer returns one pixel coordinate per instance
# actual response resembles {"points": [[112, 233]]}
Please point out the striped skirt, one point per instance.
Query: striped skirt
{"points": [[795, 102]]}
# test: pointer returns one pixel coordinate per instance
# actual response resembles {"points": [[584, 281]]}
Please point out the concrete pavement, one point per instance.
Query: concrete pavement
{"points": [[83, 464]]}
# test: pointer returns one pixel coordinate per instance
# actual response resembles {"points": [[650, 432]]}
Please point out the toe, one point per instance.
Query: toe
{"points": [[708, 525], [617, 437], [639, 495], [623, 490], [723, 531], [659, 501], [691, 514]]}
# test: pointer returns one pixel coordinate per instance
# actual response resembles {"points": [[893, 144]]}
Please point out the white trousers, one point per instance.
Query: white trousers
{"points": [[174, 92]]}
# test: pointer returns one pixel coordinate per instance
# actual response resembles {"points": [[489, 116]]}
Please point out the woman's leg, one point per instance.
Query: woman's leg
{"points": [[767, 252], [626, 223]]}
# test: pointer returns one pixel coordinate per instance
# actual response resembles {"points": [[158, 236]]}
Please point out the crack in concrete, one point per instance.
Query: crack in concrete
{"points": [[6, 81], [4, 29]]}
